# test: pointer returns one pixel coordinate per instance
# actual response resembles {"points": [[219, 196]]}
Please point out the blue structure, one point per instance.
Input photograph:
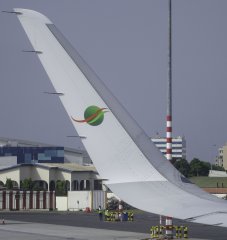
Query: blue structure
{"points": [[34, 154]]}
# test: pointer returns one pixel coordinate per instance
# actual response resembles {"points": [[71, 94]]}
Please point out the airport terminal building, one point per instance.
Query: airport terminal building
{"points": [[46, 165], [15, 151]]}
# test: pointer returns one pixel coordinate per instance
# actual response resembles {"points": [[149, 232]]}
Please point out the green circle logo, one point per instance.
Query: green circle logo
{"points": [[93, 116]]}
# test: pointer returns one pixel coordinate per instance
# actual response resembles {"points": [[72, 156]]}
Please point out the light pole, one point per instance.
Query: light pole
{"points": [[214, 145]]}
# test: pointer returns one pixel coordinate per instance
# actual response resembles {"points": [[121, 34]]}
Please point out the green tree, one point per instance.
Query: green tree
{"points": [[9, 184], [206, 166], [199, 168], [61, 189], [26, 184], [182, 166], [195, 166]]}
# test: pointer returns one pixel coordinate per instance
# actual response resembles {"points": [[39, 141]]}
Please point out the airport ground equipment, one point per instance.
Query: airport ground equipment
{"points": [[160, 232], [115, 216], [169, 227]]}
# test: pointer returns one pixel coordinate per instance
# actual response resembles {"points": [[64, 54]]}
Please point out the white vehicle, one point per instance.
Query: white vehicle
{"points": [[123, 154]]}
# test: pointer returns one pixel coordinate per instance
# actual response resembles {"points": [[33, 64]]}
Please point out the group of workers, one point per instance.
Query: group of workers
{"points": [[112, 216], [180, 231]]}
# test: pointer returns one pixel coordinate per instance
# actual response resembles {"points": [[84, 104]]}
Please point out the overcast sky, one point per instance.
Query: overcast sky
{"points": [[126, 43]]}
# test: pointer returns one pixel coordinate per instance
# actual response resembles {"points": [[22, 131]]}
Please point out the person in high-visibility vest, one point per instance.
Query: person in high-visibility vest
{"points": [[112, 216], [185, 232], [161, 230], [132, 216], [152, 232], [107, 216], [155, 231], [181, 228], [177, 231], [100, 213]]}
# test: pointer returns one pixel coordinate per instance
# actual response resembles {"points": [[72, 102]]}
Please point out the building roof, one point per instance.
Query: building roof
{"points": [[68, 167], [27, 143], [216, 190], [72, 167]]}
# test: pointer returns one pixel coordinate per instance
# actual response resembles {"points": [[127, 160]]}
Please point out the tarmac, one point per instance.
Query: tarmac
{"points": [[38, 231], [36, 225]]}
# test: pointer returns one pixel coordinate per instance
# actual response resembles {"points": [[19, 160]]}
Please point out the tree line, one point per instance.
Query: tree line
{"points": [[195, 168]]}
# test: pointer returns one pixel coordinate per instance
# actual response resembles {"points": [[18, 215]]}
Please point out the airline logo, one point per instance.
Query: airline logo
{"points": [[93, 116]]}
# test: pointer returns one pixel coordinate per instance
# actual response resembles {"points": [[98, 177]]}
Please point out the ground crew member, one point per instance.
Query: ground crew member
{"points": [[177, 231], [185, 232], [132, 216], [112, 216], [161, 228], [129, 216], [100, 213], [109, 215], [152, 232], [181, 228], [106, 215], [155, 231]]}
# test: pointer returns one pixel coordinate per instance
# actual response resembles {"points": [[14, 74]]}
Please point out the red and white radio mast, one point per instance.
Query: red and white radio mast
{"points": [[169, 93]]}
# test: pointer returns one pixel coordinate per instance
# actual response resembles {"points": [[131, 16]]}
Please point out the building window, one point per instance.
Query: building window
{"points": [[84, 185], [27, 157], [75, 185], [97, 184]]}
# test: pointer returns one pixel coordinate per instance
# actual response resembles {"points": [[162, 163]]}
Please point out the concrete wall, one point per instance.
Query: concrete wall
{"points": [[62, 203], [98, 199], [215, 173], [79, 200]]}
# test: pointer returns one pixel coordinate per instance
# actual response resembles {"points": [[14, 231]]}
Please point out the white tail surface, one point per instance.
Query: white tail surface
{"points": [[134, 168]]}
